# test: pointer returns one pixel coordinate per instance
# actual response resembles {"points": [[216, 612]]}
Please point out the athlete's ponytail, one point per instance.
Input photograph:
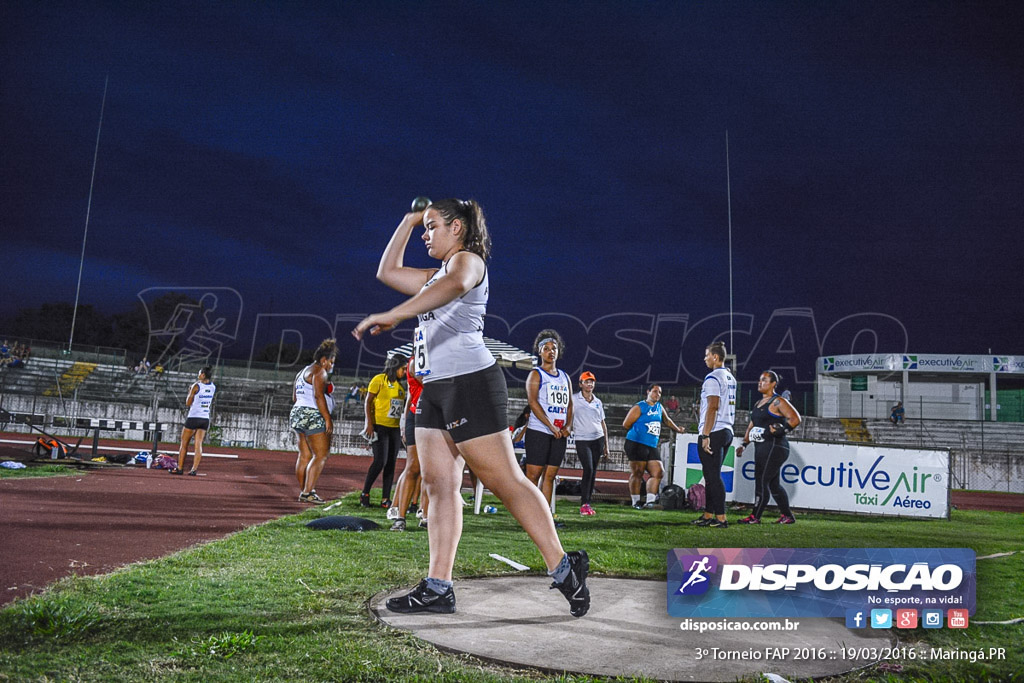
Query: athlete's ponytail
{"points": [[717, 348], [475, 237], [327, 349]]}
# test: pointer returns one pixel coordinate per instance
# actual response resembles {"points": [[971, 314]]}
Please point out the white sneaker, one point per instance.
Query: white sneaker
{"points": [[419, 514], [393, 512]]}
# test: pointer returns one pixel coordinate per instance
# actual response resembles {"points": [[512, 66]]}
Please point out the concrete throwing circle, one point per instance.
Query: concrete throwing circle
{"points": [[516, 620]]}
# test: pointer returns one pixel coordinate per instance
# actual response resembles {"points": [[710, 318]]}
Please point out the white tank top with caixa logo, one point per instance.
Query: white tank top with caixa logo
{"points": [[554, 395], [449, 340]]}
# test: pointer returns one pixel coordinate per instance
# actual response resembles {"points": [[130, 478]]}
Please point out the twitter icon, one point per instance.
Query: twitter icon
{"points": [[881, 618]]}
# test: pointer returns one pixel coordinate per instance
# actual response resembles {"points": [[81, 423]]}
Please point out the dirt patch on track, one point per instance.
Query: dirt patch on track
{"points": [[988, 500]]}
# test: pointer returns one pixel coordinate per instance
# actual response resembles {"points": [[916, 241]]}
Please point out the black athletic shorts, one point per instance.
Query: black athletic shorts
{"points": [[466, 406], [410, 428], [543, 449], [197, 423], [638, 452]]}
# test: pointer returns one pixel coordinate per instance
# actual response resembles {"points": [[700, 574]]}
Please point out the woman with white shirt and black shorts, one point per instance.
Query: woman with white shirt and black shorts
{"points": [[197, 423], [548, 393], [714, 432], [590, 434], [462, 412]]}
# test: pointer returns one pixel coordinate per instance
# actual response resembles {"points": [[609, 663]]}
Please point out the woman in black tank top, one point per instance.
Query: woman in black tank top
{"points": [[771, 419]]}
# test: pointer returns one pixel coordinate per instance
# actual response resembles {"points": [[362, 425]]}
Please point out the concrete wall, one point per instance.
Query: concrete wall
{"points": [[930, 399], [231, 429]]}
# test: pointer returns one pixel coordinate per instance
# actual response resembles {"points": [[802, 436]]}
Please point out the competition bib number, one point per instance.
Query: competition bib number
{"points": [[395, 410], [558, 396], [558, 403], [419, 352], [757, 434], [654, 428]]}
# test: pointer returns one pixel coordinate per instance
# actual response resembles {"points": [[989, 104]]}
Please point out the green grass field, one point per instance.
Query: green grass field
{"points": [[39, 471], [281, 602]]}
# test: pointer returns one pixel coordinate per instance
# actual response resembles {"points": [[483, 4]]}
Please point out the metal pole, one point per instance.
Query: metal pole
{"points": [[728, 195], [920, 420], [88, 209]]}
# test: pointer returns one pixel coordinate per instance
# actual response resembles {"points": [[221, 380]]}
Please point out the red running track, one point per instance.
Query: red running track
{"points": [[103, 519]]}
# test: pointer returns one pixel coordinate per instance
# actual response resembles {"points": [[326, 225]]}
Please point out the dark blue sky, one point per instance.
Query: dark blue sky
{"points": [[877, 160]]}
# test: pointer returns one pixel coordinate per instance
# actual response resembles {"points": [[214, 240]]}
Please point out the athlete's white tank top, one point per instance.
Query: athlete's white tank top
{"points": [[450, 340], [304, 395], [553, 394], [719, 382], [202, 400]]}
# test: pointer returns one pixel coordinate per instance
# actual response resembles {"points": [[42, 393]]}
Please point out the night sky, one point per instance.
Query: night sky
{"points": [[876, 158]]}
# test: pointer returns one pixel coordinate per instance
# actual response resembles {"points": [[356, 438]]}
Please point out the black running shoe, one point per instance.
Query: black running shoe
{"points": [[702, 521], [716, 523], [422, 599], [574, 587]]}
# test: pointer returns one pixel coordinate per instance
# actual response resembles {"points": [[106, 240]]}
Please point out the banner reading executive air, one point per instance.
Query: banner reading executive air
{"points": [[816, 582], [904, 482]]}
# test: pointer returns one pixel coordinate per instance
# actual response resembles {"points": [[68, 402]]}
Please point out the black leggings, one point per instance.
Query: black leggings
{"points": [[714, 487], [769, 456], [385, 455], [589, 452]]}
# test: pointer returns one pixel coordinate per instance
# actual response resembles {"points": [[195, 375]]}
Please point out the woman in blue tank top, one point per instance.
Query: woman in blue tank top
{"points": [[644, 422]]}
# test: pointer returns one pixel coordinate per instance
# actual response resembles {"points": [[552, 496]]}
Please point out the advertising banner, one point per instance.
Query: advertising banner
{"points": [[901, 482], [686, 470], [819, 582], [922, 362]]}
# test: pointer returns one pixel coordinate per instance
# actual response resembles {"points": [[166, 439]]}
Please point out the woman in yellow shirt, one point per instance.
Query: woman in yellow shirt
{"points": [[385, 401]]}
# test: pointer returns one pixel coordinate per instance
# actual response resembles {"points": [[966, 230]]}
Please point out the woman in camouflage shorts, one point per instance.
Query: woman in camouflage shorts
{"points": [[311, 419]]}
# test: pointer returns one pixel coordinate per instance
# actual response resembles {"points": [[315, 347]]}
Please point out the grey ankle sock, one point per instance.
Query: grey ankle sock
{"points": [[561, 571], [439, 586]]}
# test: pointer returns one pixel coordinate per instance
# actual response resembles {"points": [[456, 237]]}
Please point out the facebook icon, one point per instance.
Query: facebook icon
{"points": [[855, 618]]}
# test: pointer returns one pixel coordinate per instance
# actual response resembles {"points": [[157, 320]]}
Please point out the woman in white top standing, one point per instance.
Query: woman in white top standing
{"points": [[462, 412], [591, 435], [714, 432], [311, 419], [548, 393], [199, 401]]}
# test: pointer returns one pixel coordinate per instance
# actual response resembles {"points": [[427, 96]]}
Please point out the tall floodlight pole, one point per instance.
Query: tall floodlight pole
{"points": [[88, 209], [728, 195]]}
